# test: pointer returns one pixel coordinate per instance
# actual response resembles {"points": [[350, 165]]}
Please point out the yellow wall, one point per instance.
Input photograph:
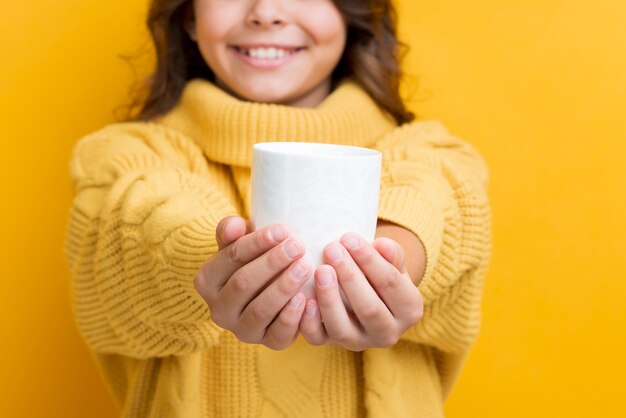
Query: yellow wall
{"points": [[537, 86]]}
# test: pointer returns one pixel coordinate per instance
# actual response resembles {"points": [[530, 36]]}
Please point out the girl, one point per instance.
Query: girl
{"points": [[189, 311]]}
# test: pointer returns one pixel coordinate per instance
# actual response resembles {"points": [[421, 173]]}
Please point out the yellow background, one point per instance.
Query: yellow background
{"points": [[537, 86]]}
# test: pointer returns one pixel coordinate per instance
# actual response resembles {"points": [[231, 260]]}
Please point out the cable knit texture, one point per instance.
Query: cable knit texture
{"points": [[149, 196]]}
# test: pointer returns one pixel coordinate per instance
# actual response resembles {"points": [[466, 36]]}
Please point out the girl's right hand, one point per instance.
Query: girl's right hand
{"points": [[252, 283]]}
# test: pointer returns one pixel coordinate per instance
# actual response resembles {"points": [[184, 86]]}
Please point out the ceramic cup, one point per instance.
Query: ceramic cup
{"points": [[319, 191]]}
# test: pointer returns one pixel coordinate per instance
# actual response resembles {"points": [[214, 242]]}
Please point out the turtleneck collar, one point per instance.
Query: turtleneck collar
{"points": [[226, 127]]}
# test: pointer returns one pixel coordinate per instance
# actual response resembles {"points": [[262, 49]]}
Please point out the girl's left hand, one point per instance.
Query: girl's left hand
{"points": [[376, 282]]}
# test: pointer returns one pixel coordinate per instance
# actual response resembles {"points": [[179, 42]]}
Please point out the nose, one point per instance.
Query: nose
{"points": [[266, 14]]}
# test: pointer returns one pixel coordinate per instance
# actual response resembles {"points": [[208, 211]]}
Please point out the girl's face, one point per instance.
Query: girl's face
{"points": [[272, 51]]}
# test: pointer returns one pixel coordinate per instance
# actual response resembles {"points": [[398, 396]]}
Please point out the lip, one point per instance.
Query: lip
{"points": [[258, 63]]}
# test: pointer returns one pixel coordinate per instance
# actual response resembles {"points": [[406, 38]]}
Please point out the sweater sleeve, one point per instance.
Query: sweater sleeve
{"points": [[142, 222], [435, 185]]}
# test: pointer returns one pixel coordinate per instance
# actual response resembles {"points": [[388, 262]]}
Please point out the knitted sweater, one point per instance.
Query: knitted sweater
{"points": [[149, 196]]}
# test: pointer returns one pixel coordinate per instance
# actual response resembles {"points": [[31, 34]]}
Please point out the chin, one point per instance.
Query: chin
{"points": [[266, 97]]}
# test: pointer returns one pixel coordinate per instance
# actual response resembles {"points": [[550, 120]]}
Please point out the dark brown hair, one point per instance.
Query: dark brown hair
{"points": [[372, 56]]}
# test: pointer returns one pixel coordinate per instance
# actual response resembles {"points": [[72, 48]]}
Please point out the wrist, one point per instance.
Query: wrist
{"points": [[415, 255]]}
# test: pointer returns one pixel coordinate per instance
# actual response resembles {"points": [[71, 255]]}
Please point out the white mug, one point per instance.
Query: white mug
{"points": [[319, 191]]}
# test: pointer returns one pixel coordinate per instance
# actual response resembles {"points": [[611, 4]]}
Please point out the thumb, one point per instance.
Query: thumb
{"points": [[391, 251], [230, 229]]}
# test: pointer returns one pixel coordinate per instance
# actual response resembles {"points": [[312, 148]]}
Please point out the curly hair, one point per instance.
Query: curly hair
{"points": [[372, 56]]}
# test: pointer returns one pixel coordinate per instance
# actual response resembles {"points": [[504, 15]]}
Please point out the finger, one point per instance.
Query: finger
{"points": [[229, 229], [283, 331], [242, 251], [247, 283], [393, 286], [391, 251], [311, 326], [371, 311], [263, 309], [337, 323]]}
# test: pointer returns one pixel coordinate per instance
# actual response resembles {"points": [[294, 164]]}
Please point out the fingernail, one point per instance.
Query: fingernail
{"points": [[334, 253], [300, 270], [310, 310], [293, 248], [352, 242], [295, 301], [324, 278], [226, 227], [278, 233]]}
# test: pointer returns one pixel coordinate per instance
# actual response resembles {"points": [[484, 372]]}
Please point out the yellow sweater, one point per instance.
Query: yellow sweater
{"points": [[148, 198]]}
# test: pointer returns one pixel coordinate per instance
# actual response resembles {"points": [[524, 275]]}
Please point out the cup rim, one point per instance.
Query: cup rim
{"points": [[308, 149]]}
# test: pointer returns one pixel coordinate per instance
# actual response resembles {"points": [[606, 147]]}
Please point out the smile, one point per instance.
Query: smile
{"points": [[267, 53], [266, 57]]}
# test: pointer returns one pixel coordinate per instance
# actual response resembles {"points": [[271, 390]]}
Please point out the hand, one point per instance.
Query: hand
{"points": [[375, 280], [252, 283]]}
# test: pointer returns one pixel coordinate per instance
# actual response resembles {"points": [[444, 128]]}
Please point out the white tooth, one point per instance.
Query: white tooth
{"points": [[262, 53], [271, 53], [252, 53], [281, 53]]}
